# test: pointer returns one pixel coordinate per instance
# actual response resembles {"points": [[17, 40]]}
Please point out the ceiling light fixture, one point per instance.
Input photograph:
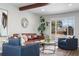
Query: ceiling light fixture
{"points": [[69, 4]]}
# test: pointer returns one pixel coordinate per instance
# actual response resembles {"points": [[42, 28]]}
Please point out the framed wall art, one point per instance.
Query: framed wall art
{"points": [[3, 22]]}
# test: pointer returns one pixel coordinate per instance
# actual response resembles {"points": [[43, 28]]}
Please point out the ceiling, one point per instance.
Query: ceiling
{"points": [[52, 8], [21, 4]]}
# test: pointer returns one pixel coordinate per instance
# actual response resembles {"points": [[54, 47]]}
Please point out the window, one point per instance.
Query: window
{"points": [[63, 26]]}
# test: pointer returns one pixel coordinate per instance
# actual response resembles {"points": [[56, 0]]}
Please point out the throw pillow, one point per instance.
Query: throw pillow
{"points": [[35, 36], [29, 37], [23, 39]]}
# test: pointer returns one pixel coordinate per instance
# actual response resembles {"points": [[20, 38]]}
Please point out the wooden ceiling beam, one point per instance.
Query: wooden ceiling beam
{"points": [[35, 5]]}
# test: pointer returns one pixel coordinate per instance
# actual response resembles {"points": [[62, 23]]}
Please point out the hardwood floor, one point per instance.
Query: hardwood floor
{"points": [[61, 52]]}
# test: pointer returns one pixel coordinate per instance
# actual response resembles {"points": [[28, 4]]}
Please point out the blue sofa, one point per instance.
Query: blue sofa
{"points": [[13, 48], [68, 44]]}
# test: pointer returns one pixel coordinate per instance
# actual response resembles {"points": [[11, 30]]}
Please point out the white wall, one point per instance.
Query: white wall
{"points": [[12, 15], [33, 22], [14, 20]]}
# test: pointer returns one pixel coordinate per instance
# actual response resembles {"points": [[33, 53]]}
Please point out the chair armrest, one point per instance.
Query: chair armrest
{"points": [[72, 42], [60, 39]]}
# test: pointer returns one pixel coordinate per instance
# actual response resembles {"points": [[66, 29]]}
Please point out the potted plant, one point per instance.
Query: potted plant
{"points": [[42, 26]]}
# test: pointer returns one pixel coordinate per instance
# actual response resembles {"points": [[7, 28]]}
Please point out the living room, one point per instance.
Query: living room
{"points": [[49, 12]]}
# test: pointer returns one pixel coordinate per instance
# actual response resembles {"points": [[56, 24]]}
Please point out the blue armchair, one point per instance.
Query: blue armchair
{"points": [[13, 48], [68, 44]]}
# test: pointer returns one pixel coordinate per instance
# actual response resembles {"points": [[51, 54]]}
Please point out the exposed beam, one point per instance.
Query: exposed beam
{"points": [[35, 5]]}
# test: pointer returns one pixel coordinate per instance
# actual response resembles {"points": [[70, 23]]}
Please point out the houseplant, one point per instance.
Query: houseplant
{"points": [[42, 27]]}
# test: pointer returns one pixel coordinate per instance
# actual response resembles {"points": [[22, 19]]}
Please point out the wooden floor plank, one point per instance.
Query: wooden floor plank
{"points": [[62, 52]]}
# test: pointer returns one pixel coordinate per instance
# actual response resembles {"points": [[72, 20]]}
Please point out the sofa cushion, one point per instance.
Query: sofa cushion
{"points": [[34, 37]]}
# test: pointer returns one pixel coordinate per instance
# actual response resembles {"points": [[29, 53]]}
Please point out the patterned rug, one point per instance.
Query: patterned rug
{"points": [[58, 52]]}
